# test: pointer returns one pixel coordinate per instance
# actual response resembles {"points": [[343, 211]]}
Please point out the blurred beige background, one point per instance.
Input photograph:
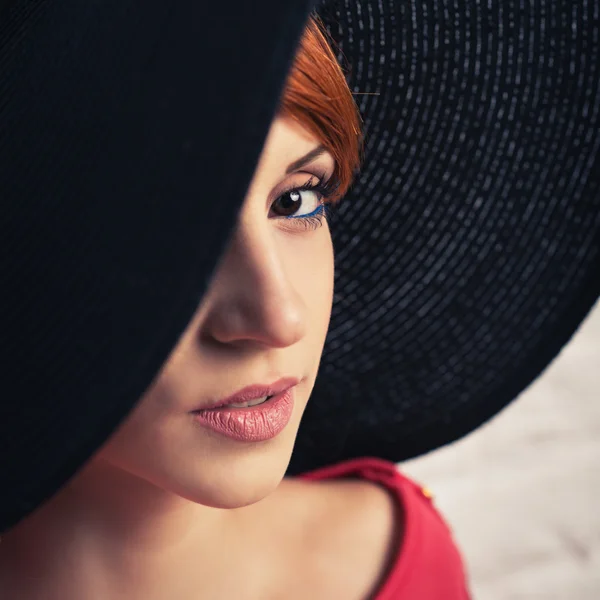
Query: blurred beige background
{"points": [[522, 493]]}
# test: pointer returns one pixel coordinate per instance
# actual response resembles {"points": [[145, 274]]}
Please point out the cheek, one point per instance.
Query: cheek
{"points": [[134, 438], [144, 440], [326, 300], [309, 266], [157, 446]]}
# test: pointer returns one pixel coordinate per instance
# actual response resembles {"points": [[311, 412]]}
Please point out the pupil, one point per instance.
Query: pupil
{"points": [[290, 201]]}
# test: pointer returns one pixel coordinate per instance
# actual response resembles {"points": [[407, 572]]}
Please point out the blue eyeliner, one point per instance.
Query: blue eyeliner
{"points": [[320, 210]]}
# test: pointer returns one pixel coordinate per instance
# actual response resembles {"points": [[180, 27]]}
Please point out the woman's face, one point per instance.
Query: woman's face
{"points": [[264, 317]]}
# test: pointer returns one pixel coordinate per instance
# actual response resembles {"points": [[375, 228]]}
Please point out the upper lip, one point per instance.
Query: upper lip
{"points": [[252, 392]]}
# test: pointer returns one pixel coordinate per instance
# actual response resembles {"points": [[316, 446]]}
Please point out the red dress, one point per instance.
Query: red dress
{"points": [[428, 565]]}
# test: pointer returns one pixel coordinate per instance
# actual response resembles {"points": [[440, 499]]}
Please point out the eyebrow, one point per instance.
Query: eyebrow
{"points": [[297, 164]]}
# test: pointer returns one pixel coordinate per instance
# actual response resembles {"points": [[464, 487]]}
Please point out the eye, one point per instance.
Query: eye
{"points": [[299, 201], [304, 207]]}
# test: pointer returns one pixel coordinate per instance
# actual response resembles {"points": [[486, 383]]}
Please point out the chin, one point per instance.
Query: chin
{"points": [[232, 479]]}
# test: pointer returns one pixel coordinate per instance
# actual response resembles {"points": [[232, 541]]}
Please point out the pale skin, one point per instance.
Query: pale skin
{"points": [[168, 509]]}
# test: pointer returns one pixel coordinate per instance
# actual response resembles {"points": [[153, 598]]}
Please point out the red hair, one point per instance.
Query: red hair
{"points": [[317, 96]]}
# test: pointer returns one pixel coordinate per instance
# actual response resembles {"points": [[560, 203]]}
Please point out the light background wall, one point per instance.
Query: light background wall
{"points": [[522, 493]]}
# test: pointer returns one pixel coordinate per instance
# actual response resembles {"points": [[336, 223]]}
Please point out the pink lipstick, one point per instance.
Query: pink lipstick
{"points": [[255, 414]]}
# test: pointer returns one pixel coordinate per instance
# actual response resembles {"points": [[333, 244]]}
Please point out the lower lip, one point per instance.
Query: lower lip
{"points": [[251, 424]]}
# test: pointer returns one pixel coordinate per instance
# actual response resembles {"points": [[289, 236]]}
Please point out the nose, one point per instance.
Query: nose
{"points": [[252, 298]]}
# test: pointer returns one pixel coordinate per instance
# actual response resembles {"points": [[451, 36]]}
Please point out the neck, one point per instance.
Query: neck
{"points": [[116, 535]]}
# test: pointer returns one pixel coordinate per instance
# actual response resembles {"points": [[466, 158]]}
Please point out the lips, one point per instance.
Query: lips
{"points": [[252, 424], [252, 394]]}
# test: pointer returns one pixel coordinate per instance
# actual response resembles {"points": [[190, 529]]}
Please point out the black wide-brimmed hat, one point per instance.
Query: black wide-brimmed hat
{"points": [[467, 252]]}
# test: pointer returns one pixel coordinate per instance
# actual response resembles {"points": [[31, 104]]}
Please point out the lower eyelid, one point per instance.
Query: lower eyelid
{"points": [[317, 211]]}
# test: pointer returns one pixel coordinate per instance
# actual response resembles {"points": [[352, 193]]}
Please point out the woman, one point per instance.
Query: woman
{"points": [[187, 497]]}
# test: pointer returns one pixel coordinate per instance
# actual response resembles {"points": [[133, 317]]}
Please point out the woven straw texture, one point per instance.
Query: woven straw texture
{"points": [[468, 250]]}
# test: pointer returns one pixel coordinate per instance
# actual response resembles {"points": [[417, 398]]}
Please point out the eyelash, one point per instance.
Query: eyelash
{"points": [[315, 219]]}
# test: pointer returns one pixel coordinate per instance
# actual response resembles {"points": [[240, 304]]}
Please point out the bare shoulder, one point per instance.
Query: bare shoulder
{"points": [[349, 538]]}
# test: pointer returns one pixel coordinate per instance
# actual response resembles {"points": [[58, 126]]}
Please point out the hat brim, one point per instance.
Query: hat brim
{"points": [[467, 253], [123, 124]]}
